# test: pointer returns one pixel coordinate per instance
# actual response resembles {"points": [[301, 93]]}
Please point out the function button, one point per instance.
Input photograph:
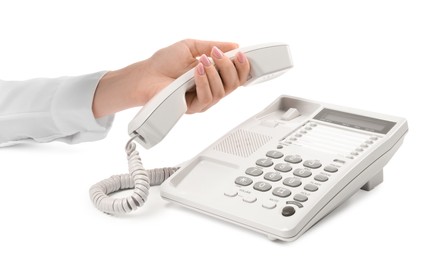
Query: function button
{"points": [[330, 168], [281, 192], [354, 153], [288, 211], [274, 154], [292, 182], [313, 124], [262, 186], [266, 162], [293, 139], [243, 181], [272, 176], [269, 204], [303, 132], [302, 173], [298, 135], [369, 142], [374, 138], [298, 204], [310, 187], [339, 161], [300, 197], [359, 150], [308, 128], [350, 157], [293, 159], [279, 146], [283, 167], [321, 178], [254, 171], [249, 199], [364, 146], [313, 164], [231, 192]]}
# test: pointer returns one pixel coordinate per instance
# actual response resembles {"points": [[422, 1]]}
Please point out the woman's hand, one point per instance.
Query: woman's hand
{"points": [[136, 84]]}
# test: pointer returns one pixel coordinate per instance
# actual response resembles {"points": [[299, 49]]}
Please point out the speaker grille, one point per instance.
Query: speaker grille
{"points": [[242, 143]]}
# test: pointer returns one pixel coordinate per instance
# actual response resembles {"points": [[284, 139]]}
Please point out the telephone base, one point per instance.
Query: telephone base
{"points": [[374, 181]]}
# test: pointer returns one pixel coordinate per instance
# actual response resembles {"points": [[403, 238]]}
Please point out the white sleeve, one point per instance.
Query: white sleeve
{"points": [[45, 110]]}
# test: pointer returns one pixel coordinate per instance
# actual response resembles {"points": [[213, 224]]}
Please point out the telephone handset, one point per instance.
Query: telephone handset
{"points": [[157, 117], [160, 114]]}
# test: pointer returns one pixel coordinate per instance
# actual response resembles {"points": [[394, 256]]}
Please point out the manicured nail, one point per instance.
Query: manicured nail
{"points": [[205, 60], [217, 52], [241, 57], [200, 69]]}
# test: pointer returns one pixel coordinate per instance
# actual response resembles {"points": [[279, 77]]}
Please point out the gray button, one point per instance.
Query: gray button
{"points": [[293, 139], [374, 138], [364, 146], [369, 142], [281, 192], [354, 153], [298, 135], [300, 197], [310, 187], [293, 159], [243, 181], [313, 164], [283, 167], [303, 131], [339, 161], [262, 186], [313, 124], [350, 157], [274, 154], [321, 178], [249, 199], [298, 204], [330, 168], [359, 150], [272, 176], [269, 204], [266, 162], [292, 182], [302, 173], [288, 211], [279, 146], [308, 128], [254, 171]]}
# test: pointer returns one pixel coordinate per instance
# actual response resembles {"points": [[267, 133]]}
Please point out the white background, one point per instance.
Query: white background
{"points": [[384, 56]]}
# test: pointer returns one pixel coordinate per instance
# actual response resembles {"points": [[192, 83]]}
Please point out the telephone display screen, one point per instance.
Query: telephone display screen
{"points": [[355, 121]]}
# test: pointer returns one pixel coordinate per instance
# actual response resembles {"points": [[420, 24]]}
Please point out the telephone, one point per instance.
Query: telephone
{"points": [[278, 173]]}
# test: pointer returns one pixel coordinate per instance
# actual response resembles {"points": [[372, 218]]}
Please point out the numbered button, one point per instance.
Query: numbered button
{"points": [[272, 176], [264, 162], [274, 154], [293, 159], [304, 173], [243, 181], [254, 171], [313, 164], [283, 167], [310, 187], [281, 192], [292, 182], [262, 186]]}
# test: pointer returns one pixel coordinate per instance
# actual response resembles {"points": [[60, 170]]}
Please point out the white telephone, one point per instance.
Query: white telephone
{"points": [[277, 173]]}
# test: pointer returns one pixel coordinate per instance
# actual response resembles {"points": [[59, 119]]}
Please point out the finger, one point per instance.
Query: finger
{"points": [[197, 47], [199, 99], [242, 67], [215, 82], [227, 70]]}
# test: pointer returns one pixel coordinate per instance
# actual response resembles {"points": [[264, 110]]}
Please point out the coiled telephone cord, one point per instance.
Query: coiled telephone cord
{"points": [[138, 179]]}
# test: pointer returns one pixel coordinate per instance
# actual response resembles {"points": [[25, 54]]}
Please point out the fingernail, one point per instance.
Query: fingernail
{"points": [[200, 69], [205, 60], [241, 57], [217, 52]]}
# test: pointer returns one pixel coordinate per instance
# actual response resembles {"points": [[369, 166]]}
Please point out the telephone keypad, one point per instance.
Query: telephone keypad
{"points": [[285, 181]]}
